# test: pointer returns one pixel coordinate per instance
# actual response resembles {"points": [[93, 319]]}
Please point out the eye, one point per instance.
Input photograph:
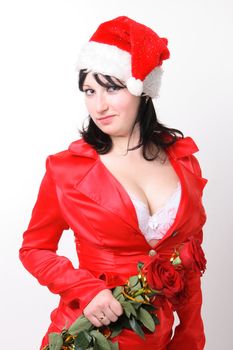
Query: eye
{"points": [[113, 88], [88, 92]]}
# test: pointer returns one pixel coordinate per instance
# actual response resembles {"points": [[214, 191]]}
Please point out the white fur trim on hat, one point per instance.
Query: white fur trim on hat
{"points": [[105, 59], [110, 60]]}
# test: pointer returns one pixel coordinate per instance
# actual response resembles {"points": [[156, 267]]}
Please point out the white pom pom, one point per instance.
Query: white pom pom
{"points": [[135, 86]]}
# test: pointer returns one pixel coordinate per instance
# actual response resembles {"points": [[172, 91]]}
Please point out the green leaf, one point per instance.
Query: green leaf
{"points": [[55, 341], [114, 346], [125, 322], [100, 339], [148, 307], [146, 319], [75, 348], [120, 298], [95, 345], [139, 297], [135, 304], [115, 332], [156, 319], [140, 265], [116, 327], [83, 340], [137, 287], [176, 261], [117, 291], [133, 280], [82, 323], [128, 309], [136, 327]]}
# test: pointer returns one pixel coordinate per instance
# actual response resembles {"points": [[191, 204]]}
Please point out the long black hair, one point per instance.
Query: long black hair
{"points": [[151, 131]]}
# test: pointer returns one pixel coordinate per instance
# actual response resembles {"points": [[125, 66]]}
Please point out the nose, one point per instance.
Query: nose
{"points": [[101, 103]]}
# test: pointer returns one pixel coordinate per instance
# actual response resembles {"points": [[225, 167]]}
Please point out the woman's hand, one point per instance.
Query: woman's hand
{"points": [[103, 309]]}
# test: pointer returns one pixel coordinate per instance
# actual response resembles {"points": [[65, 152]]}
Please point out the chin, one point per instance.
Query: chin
{"points": [[108, 130]]}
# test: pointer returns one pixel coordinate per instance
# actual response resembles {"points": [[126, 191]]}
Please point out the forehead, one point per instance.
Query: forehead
{"points": [[100, 79]]}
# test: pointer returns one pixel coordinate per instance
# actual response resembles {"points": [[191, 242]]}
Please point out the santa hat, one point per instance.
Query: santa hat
{"points": [[129, 51]]}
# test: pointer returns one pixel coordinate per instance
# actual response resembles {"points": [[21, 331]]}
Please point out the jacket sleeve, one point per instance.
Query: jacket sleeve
{"points": [[38, 251], [189, 334]]}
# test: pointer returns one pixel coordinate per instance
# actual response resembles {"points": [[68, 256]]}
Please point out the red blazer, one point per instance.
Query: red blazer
{"points": [[80, 193]]}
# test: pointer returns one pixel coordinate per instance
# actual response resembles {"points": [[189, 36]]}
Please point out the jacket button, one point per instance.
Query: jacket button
{"points": [[152, 252]]}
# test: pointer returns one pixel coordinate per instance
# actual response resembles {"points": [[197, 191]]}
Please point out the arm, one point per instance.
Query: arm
{"points": [[38, 252], [189, 334]]}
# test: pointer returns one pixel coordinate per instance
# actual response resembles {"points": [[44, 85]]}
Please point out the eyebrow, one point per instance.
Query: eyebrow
{"points": [[86, 85]]}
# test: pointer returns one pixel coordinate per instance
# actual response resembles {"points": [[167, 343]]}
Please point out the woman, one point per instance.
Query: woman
{"points": [[130, 189]]}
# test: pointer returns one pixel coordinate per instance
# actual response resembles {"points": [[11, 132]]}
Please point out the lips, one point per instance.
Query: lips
{"points": [[105, 120], [107, 116]]}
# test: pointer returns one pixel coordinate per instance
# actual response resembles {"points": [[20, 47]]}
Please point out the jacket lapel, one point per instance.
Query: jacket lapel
{"points": [[192, 185], [100, 186]]}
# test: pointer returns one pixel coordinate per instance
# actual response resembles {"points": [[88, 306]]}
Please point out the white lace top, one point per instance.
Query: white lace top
{"points": [[155, 226]]}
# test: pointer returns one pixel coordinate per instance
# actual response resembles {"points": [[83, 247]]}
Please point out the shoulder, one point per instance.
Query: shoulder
{"points": [[183, 147], [183, 150], [75, 160], [78, 148]]}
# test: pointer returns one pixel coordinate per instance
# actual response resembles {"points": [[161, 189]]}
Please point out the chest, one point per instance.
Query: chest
{"points": [[97, 207], [150, 182]]}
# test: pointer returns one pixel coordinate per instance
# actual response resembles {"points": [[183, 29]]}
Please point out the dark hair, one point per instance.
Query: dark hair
{"points": [[151, 131]]}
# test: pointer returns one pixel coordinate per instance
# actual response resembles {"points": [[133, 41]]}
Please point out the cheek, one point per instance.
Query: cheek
{"points": [[129, 108], [89, 106]]}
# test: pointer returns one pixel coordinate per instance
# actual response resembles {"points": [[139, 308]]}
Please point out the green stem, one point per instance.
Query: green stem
{"points": [[139, 292]]}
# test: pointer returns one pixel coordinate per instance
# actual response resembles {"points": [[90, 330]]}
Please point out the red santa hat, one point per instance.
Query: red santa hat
{"points": [[129, 51]]}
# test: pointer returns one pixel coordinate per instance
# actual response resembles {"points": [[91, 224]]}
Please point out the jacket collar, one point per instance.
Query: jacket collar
{"points": [[109, 193], [82, 149], [183, 147]]}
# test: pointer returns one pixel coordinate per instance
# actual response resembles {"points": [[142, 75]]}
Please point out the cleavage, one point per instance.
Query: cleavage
{"points": [[147, 207]]}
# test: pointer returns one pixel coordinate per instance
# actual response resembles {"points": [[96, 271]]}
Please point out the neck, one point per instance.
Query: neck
{"points": [[122, 143]]}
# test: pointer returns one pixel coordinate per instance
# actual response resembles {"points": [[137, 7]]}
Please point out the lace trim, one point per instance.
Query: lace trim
{"points": [[155, 226]]}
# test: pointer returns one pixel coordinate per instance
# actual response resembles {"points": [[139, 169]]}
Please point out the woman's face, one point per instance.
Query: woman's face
{"points": [[112, 109]]}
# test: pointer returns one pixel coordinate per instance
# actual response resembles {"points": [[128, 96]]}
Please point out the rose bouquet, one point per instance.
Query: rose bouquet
{"points": [[159, 279]]}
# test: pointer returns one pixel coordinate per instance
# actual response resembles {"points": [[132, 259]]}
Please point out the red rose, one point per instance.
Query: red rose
{"points": [[192, 255], [161, 275]]}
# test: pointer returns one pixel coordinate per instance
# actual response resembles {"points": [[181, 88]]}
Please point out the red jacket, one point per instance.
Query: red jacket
{"points": [[80, 193]]}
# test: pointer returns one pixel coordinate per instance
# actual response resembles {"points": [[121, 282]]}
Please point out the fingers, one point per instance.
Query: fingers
{"points": [[98, 321], [103, 318], [103, 309], [108, 316], [116, 307]]}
